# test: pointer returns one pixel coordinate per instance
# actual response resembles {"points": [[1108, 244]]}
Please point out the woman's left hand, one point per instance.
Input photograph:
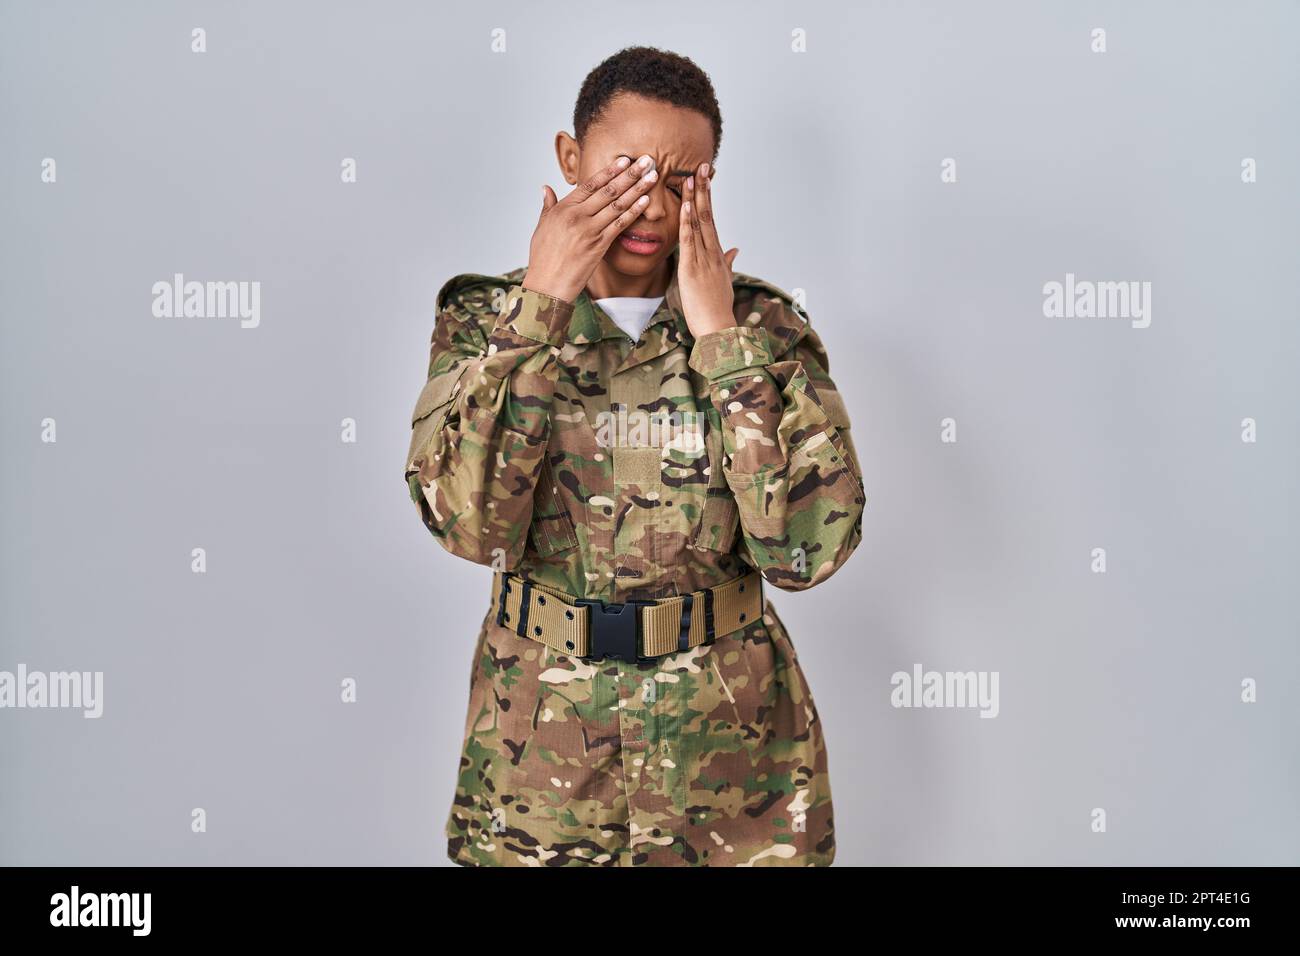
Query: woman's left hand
{"points": [[703, 269]]}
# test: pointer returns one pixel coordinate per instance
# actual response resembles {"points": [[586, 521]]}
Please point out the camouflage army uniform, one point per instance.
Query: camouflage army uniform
{"points": [[712, 756]]}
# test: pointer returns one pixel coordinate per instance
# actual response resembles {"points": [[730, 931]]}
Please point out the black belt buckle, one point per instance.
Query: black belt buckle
{"points": [[614, 630]]}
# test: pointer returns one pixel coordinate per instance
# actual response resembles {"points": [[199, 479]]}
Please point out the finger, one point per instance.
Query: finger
{"points": [[685, 234], [622, 220], [618, 206], [704, 209], [598, 181], [629, 178], [692, 210], [730, 256]]}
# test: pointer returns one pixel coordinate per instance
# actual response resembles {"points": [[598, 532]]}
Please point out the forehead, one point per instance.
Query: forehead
{"points": [[635, 124]]}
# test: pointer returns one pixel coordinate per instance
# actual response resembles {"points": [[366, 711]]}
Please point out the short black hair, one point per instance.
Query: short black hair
{"points": [[653, 73]]}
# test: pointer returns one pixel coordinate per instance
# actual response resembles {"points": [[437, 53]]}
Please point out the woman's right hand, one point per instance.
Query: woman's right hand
{"points": [[573, 233]]}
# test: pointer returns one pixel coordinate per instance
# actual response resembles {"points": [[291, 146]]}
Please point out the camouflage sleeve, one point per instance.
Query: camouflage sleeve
{"points": [[481, 423], [788, 457]]}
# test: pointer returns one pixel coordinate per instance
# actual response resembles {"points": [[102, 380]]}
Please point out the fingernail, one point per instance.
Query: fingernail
{"points": [[690, 182], [651, 176], [623, 162], [705, 171]]}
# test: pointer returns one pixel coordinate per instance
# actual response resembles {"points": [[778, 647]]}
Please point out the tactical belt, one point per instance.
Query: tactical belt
{"points": [[592, 630]]}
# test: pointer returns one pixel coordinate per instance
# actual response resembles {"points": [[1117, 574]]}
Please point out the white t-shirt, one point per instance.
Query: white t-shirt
{"points": [[631, 313]]}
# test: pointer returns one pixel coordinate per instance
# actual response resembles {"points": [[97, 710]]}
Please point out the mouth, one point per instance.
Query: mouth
{"points": [[640, 243]]}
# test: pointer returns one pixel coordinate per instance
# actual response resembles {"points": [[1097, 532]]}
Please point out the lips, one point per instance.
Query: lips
{"points": [[640, 243]]}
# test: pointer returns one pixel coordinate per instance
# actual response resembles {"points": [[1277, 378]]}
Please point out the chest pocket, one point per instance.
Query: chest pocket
{"points": [[552, 528], [694, 471], [719, 516]]}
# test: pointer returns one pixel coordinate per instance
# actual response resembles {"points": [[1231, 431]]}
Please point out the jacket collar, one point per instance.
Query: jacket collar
{"points": [[667, 327]]}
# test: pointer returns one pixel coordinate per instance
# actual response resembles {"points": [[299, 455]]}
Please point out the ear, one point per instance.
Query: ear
{"points": [[569, 156]]}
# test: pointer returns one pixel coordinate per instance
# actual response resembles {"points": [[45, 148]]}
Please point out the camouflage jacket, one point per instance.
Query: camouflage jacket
{"points": [[548, 443]]}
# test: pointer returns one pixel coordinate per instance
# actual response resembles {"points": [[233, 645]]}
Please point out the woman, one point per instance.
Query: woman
{"points": [[635, 438]]}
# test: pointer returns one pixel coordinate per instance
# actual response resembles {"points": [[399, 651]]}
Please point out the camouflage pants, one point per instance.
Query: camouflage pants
{"points": [[709, 757]]}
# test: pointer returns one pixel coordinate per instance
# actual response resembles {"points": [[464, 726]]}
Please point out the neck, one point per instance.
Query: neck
{"points": [[605, 283]]}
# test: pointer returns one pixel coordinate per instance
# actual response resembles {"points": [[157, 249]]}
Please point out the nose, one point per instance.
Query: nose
{"points": [[656, 209]]}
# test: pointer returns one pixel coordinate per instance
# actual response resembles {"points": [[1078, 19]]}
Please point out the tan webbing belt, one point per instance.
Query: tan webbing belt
{"points": [[592, 629]]}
